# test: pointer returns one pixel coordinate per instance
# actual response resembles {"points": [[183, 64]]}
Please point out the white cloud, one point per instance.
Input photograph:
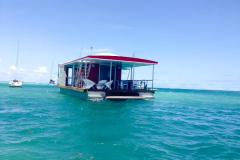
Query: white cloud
{"points": [[37, 74], [21, 69], [41, 70], [12, 68]]}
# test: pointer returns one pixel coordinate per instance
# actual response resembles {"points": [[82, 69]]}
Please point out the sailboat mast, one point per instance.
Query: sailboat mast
{"points": [[17, 55], [51, 70]]}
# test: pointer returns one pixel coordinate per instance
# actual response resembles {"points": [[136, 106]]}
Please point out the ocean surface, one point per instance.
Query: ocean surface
{"points": [[37, 122]]}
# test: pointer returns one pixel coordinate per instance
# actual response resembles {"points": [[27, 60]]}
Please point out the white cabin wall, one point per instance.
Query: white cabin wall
{"points": [[62, 76]]}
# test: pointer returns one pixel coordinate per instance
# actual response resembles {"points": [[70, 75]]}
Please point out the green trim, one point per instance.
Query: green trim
{"points": [[82, 95]]}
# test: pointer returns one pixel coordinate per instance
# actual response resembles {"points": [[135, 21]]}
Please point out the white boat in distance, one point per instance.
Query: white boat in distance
{"points": [[52, 82], [15, 83]]}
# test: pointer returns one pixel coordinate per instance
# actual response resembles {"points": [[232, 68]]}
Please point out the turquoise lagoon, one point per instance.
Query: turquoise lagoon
{"points": [[37, 122]]}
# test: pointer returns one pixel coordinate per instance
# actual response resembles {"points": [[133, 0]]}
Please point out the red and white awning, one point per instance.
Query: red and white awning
{"points": [[126, 61]]}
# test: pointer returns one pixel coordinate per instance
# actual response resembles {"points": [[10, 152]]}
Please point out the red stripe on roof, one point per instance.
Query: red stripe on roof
{"points": [[122, 58]]}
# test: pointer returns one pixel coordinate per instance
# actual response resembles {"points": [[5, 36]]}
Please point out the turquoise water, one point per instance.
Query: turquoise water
{"points": [[37, 122]]}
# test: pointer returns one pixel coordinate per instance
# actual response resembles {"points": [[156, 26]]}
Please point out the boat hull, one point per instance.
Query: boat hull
{"points": [[106, 95], [67, 91], [15, 84]]}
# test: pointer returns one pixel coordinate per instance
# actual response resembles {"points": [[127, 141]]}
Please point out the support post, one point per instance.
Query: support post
{"points": [[80, 74], [131, 73], [133, 70], [152, 76], [58, 72], [73, 76], [85, 71], [115, 75], [99, 72], [110, 71]]}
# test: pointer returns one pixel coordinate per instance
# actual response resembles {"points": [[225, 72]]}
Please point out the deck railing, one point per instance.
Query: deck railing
{"points": [[129, 85], [133, 85]]}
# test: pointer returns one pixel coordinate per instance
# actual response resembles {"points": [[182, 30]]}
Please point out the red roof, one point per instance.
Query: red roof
{"points": [[116, 58], [122, 58]]}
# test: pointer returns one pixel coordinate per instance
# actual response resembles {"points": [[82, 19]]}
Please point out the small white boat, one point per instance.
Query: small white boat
{"points": [[15, 83], [52, 82]]}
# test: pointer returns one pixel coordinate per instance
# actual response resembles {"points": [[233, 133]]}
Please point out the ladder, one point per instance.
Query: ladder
{"points": [[80, 74], [89, 65]]}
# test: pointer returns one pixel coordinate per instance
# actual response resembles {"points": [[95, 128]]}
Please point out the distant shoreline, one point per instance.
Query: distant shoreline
{"points": [[197, 90], [158, 88], [26, 83]]}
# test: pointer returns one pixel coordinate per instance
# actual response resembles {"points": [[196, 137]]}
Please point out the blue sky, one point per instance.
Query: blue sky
{"points": [[197, 42]]}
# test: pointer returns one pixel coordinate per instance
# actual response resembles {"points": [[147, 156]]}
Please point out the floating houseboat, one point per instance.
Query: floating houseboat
{"points": [[99, 77]]}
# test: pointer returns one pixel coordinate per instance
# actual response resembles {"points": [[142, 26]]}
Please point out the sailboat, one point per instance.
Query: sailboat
{"points": [[15, 82], [51, 81]]}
